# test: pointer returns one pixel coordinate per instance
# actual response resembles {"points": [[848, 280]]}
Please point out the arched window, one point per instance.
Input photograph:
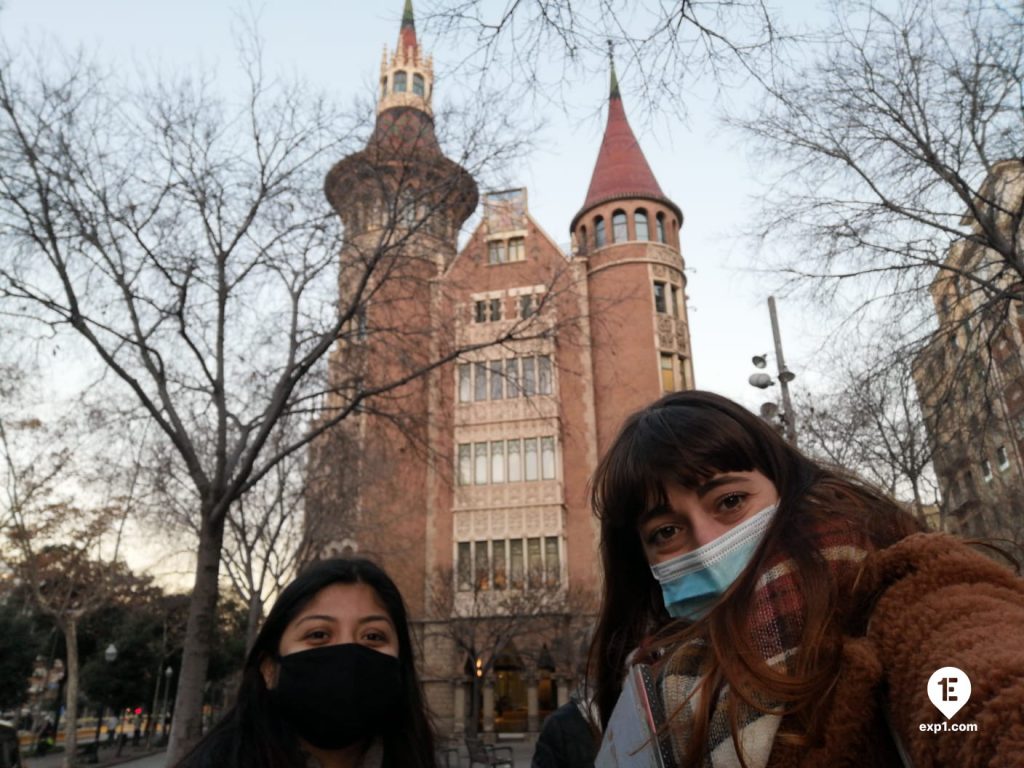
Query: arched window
{"points": [[599, 238], [400, 82], [640, 224], [417, 84], [620, 233], [383, 86], [582, 243], [661, 228]]}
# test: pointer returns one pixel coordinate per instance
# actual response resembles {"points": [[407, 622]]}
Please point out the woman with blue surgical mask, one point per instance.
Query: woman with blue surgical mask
{"points": [[761, 610]]}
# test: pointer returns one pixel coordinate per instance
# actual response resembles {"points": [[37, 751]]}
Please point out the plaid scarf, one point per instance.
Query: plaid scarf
{"points": [[775, 625]]}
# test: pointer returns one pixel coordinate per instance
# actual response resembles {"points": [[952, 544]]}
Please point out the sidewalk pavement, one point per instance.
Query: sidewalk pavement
{"points": [[108, 756], [140, 757], [522, 752]]}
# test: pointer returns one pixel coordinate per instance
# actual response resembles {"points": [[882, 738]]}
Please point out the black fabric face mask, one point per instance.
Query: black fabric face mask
{"points": [[337, 695]]}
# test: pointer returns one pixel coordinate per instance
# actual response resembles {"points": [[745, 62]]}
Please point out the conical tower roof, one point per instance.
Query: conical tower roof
{"points": [[407, 33], [621, 170]]}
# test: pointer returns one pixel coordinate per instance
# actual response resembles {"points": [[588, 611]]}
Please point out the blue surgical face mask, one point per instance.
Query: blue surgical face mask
{"points": [[692, 582]]}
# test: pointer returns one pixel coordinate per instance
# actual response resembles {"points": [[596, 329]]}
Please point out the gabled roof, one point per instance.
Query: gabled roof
{"points": [[621, 169]]}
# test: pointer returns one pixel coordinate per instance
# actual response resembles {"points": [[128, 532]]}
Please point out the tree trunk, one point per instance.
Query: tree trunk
{"points": [[202, 617], [71, 693]]}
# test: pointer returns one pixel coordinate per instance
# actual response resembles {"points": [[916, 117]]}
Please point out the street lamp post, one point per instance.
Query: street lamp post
{"points": [[168, 673], [785, 376], [111, 656]]}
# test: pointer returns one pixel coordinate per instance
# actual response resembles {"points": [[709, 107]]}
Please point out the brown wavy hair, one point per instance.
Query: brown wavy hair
{"points": [[686, 438]]}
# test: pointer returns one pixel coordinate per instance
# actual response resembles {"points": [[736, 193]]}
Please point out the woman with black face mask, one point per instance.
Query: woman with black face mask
{"points": [[330, 681]]}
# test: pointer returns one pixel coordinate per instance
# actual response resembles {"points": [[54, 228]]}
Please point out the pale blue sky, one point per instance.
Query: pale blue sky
{"points": [[337, 44]]}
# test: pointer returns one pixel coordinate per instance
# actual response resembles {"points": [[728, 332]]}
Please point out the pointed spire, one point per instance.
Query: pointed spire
{"points": [[407, 34], [613, 92], [621, 169]]}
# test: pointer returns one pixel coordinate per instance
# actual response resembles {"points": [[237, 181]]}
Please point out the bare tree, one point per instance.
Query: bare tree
{"points": [[264, 535], [483, 621], [871, 423], [184, 242], [886, 143], [663, 49]]}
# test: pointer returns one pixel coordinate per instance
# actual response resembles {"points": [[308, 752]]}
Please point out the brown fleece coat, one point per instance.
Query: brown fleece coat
{"points": [[939, 604]]}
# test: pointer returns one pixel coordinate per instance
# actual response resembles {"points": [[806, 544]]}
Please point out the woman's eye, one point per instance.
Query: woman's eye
{"points": [[375, 636], [317, 634], [663, 534], [733, 501]]}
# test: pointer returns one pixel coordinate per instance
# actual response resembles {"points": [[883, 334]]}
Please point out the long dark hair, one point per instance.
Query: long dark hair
{"points": [[686, 438], [251, 736]]}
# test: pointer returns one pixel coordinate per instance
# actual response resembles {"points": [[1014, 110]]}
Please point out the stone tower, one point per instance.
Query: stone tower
{"points": [[402, 203], [628, 232]]}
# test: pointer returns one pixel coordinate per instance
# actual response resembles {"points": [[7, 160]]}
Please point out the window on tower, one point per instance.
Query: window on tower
{"points": [[417, 84], [495, 310], [480, 311], [400, 82], [599, 236], [668, 374], [620, 232], [660, 222], [640, 224], [1002, 458], [660, 305], [675, 301]]}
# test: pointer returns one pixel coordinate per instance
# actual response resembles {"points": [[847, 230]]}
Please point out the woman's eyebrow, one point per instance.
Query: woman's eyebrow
{"points": [[317, 617], [660, 509], [375, 617], [719, 480]]}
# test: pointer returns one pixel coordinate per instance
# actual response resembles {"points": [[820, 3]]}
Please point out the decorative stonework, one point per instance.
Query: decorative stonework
{"points": [[657, 255], [484, 524]]}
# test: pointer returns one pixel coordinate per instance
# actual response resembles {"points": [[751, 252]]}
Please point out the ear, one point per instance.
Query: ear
{"points": [[268, 669]]}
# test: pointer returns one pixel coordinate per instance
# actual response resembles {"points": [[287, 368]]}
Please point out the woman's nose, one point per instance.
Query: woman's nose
{"points": [[706, 528]]}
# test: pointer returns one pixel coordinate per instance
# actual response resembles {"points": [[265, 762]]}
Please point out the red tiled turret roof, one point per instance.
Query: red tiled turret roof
{"points": [[621, 169]]}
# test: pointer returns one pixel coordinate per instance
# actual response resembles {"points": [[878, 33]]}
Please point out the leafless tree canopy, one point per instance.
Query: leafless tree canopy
{"points": [[870, 422], [884, 140], [482, 623], [662, 49], [184, 240]]}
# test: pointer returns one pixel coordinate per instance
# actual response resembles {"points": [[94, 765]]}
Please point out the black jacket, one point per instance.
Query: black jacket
{"points": [[565, 741]]}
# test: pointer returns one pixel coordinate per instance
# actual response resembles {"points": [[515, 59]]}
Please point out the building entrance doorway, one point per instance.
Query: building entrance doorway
{"points": [[510, 713]]}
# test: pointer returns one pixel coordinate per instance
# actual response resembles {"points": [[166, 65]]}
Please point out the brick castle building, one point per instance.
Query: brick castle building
{"points": [[469, 483]]}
